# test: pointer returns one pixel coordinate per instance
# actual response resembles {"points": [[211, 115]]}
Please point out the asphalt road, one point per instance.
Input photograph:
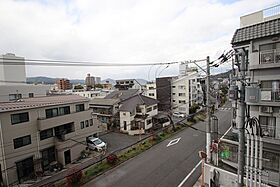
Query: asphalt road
{"points": [[161, 165]]}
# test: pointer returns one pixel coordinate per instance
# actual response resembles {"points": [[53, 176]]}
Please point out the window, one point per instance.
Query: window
{"points": [[46, 134], [22, 141], [151, 88], [173, 93], [51, 112], [182, 94], [173, 86], [124, 113], [149, 109], [87, 124], [182, 87], [268, 125], [80, 107], [149, 121], [151, 94], [82, 123], [174, 101], [19, 118], [13, 97], [64, 110], [269, 53], [155, 107], [48, 156], [270, 161], [25, 169], [91, 122], [30, 95], [182, 101]]}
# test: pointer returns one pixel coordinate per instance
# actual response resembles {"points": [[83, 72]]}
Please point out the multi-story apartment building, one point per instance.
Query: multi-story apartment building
{"points": [[126, 84], [64, 84], [259, 36], [136, 114], [180, 95], [150, 90], [38, 131], [163, 91], [89, 81]]}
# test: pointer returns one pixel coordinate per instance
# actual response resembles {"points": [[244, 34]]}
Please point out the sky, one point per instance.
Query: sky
{"points": [[120, 31]]}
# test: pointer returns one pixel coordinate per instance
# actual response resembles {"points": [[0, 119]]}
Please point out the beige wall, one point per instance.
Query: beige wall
{"points": [[33, 127]]}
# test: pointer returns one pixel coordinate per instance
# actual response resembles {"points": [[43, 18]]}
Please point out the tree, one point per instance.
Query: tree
{"points": [[78, 87]]}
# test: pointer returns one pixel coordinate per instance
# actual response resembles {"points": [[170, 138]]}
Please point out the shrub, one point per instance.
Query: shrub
{"points": [[75, 178], [112, 159]]}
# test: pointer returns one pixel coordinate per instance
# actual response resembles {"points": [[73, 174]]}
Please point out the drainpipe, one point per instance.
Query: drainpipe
{"points": [[247, 158], [260, 163], [251, 161], [256, 160], [4, 157]]}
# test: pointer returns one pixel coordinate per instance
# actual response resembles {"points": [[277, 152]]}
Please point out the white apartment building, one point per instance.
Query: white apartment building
{"points": [[150, 90], [126, 84], [180, 95], [38, 131]]}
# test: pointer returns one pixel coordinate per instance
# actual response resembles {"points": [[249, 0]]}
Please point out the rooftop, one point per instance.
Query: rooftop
{"points": [[131, 103], [39, 102], [102, 101], [260, 30], [122, 94]]}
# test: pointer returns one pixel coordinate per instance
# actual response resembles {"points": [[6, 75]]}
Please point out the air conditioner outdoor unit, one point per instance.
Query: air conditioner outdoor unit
{"points": [[266, 109]]}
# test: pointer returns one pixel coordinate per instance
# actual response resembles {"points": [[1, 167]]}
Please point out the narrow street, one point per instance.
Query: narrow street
{"points": [[164, 165]]}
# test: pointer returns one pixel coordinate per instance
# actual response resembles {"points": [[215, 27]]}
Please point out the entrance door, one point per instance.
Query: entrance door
{"points": [[67, 157]]}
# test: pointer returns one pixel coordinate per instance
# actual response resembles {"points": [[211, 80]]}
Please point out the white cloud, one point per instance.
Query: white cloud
{"points": [[119, 31]]}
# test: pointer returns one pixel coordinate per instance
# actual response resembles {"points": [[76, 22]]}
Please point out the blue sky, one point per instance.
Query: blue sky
{"points": [[125, 31]]}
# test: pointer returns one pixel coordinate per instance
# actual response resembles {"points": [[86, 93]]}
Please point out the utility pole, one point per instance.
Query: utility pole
{"points": [[208, 126], [241, 124]]}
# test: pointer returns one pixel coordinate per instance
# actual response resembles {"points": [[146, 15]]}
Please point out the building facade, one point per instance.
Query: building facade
{"points": [[150, 90], [38, 131], [64, 84], [126, 84], [89, 81]]}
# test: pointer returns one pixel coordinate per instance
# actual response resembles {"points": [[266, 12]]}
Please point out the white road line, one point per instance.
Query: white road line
{"points": [[188, 176], [173, 142]]}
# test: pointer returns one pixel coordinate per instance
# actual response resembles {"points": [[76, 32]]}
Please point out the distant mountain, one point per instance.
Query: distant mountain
{"points": [[49, 80]]}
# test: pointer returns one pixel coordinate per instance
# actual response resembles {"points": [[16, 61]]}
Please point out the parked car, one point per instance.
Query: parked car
{"points": [[96, 144], [178, 115]]}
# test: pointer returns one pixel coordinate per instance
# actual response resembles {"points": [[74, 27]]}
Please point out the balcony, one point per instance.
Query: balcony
{"points": [[47, 123], [270, 95], [270, 56]]}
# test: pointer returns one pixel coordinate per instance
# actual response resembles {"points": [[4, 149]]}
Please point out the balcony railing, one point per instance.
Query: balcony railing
{"points": [[270, 95], [270, 56], [268, 131]]}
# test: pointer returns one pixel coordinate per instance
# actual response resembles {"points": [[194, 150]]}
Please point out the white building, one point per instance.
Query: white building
{"points": [[150, 90], [126, 84]]}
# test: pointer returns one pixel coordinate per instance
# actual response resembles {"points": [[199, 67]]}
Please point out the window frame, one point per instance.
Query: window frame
{"points": [[20, 119]]}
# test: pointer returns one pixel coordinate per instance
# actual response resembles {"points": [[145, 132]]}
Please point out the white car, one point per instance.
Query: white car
{"points": [[178, 115], [96, 144]]}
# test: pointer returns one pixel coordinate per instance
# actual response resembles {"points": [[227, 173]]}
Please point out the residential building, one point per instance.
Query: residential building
{"points": [[126, 84], [136, 114], [89, 81], [163, 91], [106, 111], [38, 131], [12, 69], [107, 86], [64, 84], [97, 80], [259, 35], [150, 90], [180, 95], [91, 93]]}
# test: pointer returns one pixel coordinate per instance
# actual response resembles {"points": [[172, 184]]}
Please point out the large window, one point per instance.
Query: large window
{"points": [[268, 125], [149, 109], [46, 134], [22, 141], [271, 161], [48, 156], [52, 112], [182, 94], [19, 118], [80, 107], [13, 97], [270, 53]]}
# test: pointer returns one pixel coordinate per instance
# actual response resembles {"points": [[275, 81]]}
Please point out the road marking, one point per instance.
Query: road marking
{"points": [[188, 176], [173, 142]]}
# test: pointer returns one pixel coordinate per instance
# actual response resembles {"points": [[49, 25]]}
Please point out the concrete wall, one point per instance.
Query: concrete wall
{"points": [[9, 132]]}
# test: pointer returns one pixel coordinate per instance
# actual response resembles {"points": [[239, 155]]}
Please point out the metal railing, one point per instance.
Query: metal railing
{"points": [[272, 11], [270, 56]]}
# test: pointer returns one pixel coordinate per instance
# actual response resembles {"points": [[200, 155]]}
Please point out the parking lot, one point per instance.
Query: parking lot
{"points": [[116, 141]]}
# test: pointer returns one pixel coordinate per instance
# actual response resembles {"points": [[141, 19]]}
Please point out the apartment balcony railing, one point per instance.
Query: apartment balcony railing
{"points": [[270, 95], [270, 56], [268, 131]]}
